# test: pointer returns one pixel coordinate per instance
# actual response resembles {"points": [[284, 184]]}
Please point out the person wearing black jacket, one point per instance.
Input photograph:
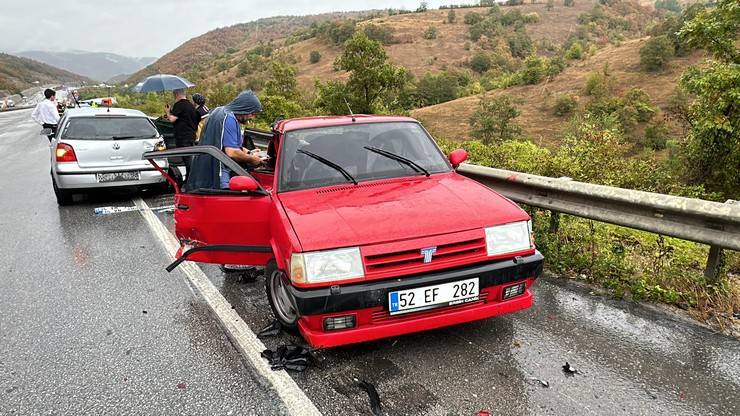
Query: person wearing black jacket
{"points": [[185, 120]]}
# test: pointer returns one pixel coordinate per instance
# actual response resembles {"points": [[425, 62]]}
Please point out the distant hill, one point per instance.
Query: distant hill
{"points": [[100, 66], [18, 73], [200, 52]]}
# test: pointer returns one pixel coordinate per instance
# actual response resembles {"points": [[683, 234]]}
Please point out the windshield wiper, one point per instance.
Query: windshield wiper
{"points": [[398, 158], [330, 164]]}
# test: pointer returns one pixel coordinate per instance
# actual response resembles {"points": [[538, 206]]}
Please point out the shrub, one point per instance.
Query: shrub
{"points": [[451, 16], [597, 85], [472, 18], [564, 104], [314, 57], [656, 53], [569, 3], [438, 88], [555, 66], [535, 69], [511, 17], [480, 62], [531, 18], [656, 136], [671, 5], [430, 33], [382, 34], [488, 27], [520, 44], [514, 2], [575, 51], [641, 102], [494, 119]]}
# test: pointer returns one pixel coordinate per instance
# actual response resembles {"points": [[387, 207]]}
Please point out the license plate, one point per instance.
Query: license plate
{"points": [[421, 298], [118, 176]]}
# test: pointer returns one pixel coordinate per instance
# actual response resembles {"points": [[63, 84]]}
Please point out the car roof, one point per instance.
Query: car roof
{"points": [[103, 111], [326, 121]]}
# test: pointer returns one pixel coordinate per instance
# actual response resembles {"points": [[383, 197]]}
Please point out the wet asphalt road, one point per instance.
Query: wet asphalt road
{"points": [[74, 338]]}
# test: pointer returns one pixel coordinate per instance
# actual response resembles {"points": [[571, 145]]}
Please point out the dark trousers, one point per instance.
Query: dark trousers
{"points": [[53, 128]]}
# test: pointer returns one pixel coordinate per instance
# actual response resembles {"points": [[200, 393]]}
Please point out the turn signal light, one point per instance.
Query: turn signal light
{"points": [[65, 153]]}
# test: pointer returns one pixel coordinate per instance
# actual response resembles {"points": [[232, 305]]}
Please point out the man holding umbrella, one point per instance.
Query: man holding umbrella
{"points": [[185, 120]]}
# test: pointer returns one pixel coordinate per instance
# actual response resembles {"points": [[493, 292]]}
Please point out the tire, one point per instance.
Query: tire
{"points": [[275, 283], [64, 197]]}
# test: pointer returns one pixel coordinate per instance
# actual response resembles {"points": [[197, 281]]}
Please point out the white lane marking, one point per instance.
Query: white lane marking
{"points": [[241, 335]]}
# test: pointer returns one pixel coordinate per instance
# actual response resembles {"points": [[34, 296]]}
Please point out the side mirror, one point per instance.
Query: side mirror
{"points": [[243, 183], [457, 157]]}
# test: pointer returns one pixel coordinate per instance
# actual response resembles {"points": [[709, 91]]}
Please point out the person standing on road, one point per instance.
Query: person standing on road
{"points": [[200, 107], [223, 131], [185, 121], [46, 112]]}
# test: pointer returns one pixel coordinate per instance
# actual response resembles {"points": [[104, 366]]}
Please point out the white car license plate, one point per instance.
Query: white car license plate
{"points": [[118, 176], [421, 298]]}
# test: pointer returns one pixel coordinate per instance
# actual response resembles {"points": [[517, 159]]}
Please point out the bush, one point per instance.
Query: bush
{"points": [[430, 33], [671, 5], [597, 85], [641, 102], [488, 27], [531, 18], [480, 62], [514, 2], [575, 51], [535, 69], [451, 16], [494, 119], [314, 57], [656, 53], [382, 34], [472, 18], [565, 104], [569, 3], [656, 136], [438, 88], [520, 44]]}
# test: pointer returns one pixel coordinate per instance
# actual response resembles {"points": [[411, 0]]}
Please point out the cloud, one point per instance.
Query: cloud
{"points": [[145, 27]]}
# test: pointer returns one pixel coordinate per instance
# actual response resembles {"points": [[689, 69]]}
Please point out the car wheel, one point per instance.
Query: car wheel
{"points": [[64, 197], [277, 294]]}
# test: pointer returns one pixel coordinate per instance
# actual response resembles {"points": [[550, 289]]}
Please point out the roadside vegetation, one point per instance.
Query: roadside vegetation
{"points": [[608, 132]]}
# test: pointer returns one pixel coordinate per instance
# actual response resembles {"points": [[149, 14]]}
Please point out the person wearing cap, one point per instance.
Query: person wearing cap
{"points": [[46, 112], [224, 132]]}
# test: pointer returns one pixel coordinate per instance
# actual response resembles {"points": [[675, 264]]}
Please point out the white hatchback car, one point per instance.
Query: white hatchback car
{"points": [[101, 148]]}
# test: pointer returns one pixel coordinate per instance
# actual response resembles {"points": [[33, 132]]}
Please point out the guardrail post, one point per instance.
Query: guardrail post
{"points": [[714, 261], [554, 222]]}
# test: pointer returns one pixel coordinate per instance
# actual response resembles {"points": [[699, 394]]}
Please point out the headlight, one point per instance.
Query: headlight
{"points": [[509, 238], [327, 266]]}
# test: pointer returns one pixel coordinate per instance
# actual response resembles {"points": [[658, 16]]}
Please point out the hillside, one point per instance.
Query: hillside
{"points": [[18, 73], [199, 53], [100, 66], [450, 119]]}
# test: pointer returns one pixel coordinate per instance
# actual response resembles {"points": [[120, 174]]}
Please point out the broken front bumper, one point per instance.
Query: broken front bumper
{"points": [[368, 302]]}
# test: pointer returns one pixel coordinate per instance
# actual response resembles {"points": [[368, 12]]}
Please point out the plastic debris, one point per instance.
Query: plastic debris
{"points": [[287, 357], [271, 330], [182, 386], [483, 413], [100, 211], [569, 370], [374, 397], [542, 383]]}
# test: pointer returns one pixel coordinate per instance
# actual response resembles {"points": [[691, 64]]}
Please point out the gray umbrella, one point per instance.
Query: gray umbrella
{"points": [[163, 82]]}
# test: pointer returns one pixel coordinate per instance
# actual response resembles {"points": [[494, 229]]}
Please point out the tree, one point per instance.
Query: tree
{"points": [[713, 145], [282, 81], [671, 5], [494, 119], [437, 88], [451, 16], [314, 57], [520, 44], [656, 53], [480, 62], [422, 7], [472, 18], [373, 82]]}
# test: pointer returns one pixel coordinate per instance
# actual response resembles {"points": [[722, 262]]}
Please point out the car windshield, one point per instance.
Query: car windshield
{"points": [[109, 128], [365, 151]]}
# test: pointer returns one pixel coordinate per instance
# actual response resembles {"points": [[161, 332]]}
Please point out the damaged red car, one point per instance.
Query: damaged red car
{"points": [[365, 230]]}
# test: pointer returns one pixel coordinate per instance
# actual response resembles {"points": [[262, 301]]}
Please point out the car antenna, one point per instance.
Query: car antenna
{"points": [[350, 109]]}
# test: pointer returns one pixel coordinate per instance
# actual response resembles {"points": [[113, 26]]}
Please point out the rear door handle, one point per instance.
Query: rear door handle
{"points": [[183, 207]]}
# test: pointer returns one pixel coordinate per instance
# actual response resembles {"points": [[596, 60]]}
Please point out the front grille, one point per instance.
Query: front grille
{"points": [[383, 316], [411, 257]]}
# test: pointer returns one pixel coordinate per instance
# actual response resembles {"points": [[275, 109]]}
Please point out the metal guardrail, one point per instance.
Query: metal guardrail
{"points": [[689, 219], [707, 222]]}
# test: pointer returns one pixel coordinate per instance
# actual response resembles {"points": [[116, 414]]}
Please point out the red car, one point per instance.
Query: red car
{"points": [[365, 231]]}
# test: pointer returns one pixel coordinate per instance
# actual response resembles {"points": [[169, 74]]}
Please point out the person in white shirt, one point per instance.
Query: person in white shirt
{"points": [[46, 112]]}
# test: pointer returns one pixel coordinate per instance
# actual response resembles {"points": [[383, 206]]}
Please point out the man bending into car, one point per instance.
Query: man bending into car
{"points": [[222, 130], [46, 112]]}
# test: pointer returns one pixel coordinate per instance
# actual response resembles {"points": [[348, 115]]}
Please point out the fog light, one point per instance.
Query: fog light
{"points": [[339, 322], [516, 290]]}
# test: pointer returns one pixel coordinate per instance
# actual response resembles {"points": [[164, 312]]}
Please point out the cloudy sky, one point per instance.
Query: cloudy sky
{"points": [[146, 27]]}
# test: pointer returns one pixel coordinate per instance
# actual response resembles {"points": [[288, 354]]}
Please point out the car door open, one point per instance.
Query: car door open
{"points": [[221, 226]]}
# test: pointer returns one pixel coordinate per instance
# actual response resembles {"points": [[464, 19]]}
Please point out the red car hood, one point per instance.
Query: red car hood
{"points": [[395, 209]]}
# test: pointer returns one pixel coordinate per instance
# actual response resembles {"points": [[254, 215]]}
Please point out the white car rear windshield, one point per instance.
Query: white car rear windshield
{"points": [[109, 128]]}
